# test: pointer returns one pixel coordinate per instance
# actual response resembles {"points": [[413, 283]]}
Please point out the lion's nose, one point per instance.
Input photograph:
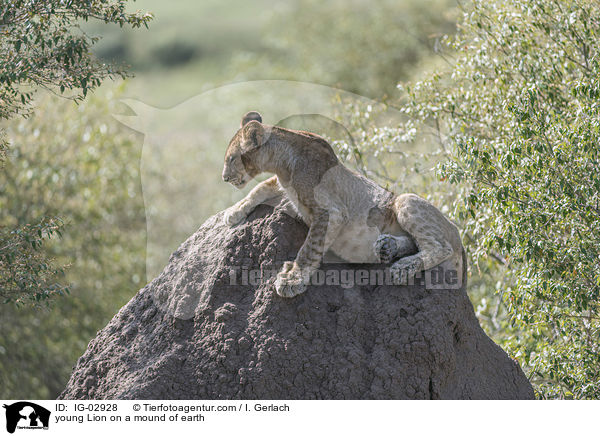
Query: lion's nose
{"points": [[226, 178]]}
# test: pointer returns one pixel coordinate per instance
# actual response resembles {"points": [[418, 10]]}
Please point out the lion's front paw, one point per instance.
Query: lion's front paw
{"points": [[290, 281], [404, 271], [386, 248], [233, 216]]}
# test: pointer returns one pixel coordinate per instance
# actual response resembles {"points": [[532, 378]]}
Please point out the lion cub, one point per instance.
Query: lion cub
{"points": [[346, 213]]}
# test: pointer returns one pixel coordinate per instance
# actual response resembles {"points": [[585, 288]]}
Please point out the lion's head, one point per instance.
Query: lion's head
{"points": [[238, 168]]}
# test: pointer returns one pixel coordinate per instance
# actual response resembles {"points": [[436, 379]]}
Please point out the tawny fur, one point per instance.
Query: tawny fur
{"points": [[346, 213]]}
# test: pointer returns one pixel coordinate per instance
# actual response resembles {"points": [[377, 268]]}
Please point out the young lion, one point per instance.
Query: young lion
{"points": [[346, 213]]}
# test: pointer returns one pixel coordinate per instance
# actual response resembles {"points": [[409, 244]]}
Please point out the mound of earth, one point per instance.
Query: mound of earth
{"points": [[207, 329]]}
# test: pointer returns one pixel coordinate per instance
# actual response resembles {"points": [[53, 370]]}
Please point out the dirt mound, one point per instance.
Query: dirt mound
{"points": [[205, 329]]}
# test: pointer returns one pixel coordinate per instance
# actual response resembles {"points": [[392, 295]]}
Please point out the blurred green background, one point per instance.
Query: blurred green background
{"points": [[88, 170]]}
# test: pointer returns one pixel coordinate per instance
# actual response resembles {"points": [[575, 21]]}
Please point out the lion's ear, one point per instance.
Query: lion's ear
{"points": [[251, 116], [253, 135]]}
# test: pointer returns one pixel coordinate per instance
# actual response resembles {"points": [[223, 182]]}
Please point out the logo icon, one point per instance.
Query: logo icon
{"points": [[26, 415]]}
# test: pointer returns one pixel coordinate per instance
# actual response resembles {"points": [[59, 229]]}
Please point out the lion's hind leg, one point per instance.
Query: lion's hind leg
{"points": [[390, 247], [431, 232]]}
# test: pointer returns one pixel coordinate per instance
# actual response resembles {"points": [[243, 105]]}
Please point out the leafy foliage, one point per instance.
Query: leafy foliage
{"points": [[87, 171], [27, 275], [43, 46], [50, 174], [520, 109]]}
